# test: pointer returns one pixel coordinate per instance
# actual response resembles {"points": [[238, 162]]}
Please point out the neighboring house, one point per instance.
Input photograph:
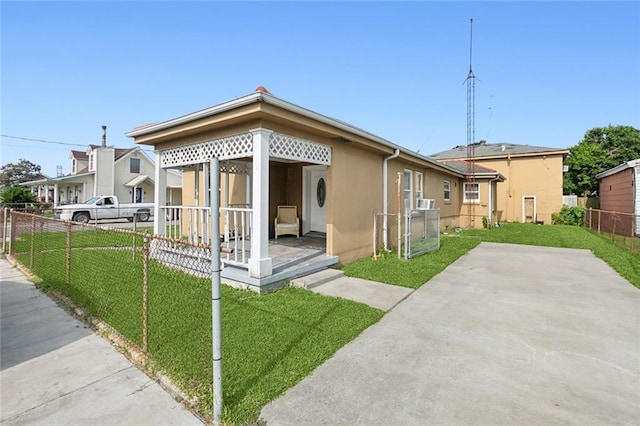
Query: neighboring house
{"points": [[620, 192], [272, 153], [105, 170], [532, 190]]}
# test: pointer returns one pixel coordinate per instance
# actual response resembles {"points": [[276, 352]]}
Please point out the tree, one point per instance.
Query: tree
{"points": [[12, 174], [602, 148], [17, 194]]}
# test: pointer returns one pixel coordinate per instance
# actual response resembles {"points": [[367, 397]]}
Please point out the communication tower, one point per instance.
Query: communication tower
{"points": [[471, 136]]}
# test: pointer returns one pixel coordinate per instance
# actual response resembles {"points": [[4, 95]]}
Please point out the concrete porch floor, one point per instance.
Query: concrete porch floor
{"points": [[292, 258]]}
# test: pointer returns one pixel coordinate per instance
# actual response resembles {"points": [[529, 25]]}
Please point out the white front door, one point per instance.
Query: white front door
{"points": [[315, 199]]}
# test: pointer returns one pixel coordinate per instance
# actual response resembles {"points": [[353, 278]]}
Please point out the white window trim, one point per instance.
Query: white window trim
{"points": [[92, 162], [419, 190], [464, 193], [410, 190], [446, 183]]}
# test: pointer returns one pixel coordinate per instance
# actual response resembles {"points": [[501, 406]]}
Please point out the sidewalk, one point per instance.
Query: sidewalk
{"points": [[56, 370]]}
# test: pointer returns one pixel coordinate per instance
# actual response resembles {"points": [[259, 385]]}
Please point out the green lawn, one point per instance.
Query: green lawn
{"points": [[415, 272]]}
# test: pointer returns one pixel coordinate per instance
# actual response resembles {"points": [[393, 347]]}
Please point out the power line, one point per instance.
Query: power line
{"points": [[55, 142], [41, 140]]}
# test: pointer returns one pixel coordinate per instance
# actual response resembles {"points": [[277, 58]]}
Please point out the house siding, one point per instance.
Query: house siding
{"points": [[539, 176], [617, 192]]}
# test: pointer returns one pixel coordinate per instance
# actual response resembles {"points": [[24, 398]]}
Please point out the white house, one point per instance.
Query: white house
{"points": [[105, 170]]}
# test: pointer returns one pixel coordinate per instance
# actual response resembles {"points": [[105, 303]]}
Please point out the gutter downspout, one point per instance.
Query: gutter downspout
{"points": [[385, 198], [492, 193]]}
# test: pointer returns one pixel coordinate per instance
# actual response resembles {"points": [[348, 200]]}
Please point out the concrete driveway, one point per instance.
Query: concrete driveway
{"points": [[508, 334]]}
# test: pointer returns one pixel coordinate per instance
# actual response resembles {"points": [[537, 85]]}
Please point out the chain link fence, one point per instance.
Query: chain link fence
{"points": [[155, 292], [422, 232], [623, 228], [417, 232]]}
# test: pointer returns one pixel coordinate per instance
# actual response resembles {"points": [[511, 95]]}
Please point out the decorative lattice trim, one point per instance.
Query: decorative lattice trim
{"points": [[236, 167], [228, 148], [291, 148], [241, 146]]}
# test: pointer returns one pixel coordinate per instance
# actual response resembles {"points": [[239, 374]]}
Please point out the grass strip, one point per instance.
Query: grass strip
{"points": [[414, 272]]}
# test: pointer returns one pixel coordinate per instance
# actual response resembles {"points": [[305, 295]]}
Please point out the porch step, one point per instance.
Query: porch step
{"points": [[317, 278]]}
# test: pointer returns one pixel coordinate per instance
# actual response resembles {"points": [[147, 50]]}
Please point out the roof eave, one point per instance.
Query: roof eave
{"points": [[618, 169]]}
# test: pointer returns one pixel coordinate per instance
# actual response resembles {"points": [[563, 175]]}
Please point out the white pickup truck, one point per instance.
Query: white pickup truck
{"points": [[104, 207]]}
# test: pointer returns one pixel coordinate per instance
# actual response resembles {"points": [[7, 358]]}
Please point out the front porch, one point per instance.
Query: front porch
{"points": [[291, 256], [254, 173]]}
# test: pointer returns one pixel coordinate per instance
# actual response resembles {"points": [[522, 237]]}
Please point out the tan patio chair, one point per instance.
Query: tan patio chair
{"points": [[287, 222]]}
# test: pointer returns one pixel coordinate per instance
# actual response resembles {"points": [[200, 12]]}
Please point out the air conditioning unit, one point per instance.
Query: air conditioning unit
{"points": [[425, 203]]}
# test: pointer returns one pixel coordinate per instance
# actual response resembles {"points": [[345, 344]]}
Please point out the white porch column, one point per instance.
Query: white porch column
{"points": [[46, 194], [55, 195], [260, 264], [160, 198]]}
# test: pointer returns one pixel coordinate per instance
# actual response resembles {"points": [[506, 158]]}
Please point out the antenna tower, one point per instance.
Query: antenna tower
{"points": [[471, 134], [58, 171]]}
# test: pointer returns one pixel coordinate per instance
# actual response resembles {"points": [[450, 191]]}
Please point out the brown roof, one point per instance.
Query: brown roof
{"points": [[79, 155], [467, 166], [121, 152], [483, 149]]}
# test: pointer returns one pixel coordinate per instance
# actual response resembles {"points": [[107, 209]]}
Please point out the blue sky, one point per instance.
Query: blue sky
{"points": [[547, 71]]}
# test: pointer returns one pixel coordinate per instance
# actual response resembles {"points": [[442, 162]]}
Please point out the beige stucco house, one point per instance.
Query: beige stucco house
{"points": [[532, 189], [273, 153], [106, 170]]}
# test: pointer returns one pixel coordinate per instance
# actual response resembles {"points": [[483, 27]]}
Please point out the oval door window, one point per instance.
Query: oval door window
{"points": [[321, 192]]}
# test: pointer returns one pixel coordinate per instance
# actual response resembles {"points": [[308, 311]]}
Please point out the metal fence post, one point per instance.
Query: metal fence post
{"points": [[145, 292], [216, 309], [407, 233], [135, 228], [375, 235], [67, 265], [12, 233], [399, 182], [4, 229], [33, 239], [599, 220], [633, 232]]}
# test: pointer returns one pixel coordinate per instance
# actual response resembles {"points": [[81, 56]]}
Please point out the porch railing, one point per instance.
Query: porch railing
{"points": [[193, 224]]}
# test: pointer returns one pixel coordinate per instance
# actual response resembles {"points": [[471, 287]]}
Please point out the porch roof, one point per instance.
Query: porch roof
{"points": [[137, 181]]}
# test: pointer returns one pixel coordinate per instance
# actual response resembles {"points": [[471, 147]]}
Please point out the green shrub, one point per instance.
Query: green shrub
{"points": [[17, 194], [568, 216]]}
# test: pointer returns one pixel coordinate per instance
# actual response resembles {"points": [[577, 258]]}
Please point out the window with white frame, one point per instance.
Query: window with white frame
{"points": [[446, 185], [74, 166], [419, 192], [408, 189], [92, 162], [471, 192]]}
